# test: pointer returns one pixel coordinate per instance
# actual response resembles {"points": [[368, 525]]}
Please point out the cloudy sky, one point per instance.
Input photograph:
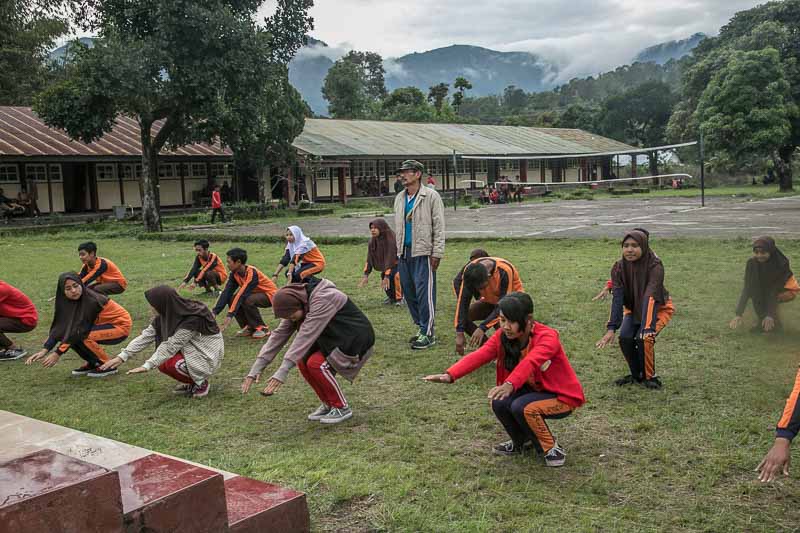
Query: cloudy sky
{"points": [[582, 36]]}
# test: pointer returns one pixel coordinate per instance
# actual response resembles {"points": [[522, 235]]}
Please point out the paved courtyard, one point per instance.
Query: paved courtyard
{"points": [[665, 217]]}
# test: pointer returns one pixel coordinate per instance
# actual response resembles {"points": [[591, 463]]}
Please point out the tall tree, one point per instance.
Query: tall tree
{"points": [[715, 69], [438, 94], [172, 66], [582, 115], [355, 85], [28, 30], [514, 99], [639, 116], [461, 85]]}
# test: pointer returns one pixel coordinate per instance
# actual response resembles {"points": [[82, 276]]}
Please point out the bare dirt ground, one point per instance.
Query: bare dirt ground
{"points": [[665, 217]]}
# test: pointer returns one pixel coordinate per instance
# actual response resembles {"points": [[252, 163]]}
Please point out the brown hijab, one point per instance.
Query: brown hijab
{"points": [[382, 251], [74, 319], [640, 279], [176, 312], [289, 299], [765, 280]]}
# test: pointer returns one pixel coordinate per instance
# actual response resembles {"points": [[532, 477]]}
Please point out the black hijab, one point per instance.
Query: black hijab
{"points": [[176, 312], [640, 279], [765, 280], [74, 319]]}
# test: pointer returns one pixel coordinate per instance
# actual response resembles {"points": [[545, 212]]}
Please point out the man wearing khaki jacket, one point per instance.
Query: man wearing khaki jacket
{"points": [[419, 227]]}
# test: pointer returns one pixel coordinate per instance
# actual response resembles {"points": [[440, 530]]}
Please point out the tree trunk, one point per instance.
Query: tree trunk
{"points": [[148, 183], [264, 193], [653, 157], [783, 166]]}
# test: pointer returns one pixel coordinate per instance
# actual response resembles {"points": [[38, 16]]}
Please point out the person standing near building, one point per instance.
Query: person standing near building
{"points": [[419, 227], [216, 205]]}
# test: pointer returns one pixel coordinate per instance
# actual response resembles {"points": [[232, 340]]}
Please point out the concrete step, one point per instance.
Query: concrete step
{"points": [[47, 491], [256, 507], [161, 494]]}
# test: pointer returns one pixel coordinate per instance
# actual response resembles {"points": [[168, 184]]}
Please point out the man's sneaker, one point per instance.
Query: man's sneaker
{"points": [[261, 332], [320, 412], [183, 388], [387, 301], [626, 380], [336, 415], [412, 340], [508, 448], [400, 302], [423, 342], [13, 354], [82, 371], [555, 457], [97, 373], [200, 391], [652, 383], [244, 332]]}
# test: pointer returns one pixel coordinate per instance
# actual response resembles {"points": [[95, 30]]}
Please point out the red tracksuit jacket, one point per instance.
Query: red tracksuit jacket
{"points": [[545, 368]]}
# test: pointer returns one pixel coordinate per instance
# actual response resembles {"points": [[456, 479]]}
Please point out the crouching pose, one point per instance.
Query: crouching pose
{"points": [[84, 320], [332, 336], [189, 345], [768, 281], [778, 458], [640, 308], [535, 381]]}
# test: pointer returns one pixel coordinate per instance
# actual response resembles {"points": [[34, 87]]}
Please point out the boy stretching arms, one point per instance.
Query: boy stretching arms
{"points": [[207, 271]]}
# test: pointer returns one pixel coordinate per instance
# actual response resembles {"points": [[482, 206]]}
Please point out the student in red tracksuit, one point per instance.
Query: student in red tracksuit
{"points": [[84, 320], [17, 315], [216, 205], [535, 381], [382, 256], [247, 290], [778, 458]]}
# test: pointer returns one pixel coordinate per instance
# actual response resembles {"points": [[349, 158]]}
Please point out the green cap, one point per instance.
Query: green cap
{"points": [[411, 164]]}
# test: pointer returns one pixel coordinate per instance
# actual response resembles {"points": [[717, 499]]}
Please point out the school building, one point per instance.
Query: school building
{"points": [[336, 159], [73, 177]]}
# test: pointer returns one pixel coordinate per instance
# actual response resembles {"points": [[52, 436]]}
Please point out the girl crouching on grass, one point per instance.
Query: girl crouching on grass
{"points": [[332, 336], [535, 381], [382, 256], [189, 344], [302, 257], [768, 281], [640, 308], [84, 320]]}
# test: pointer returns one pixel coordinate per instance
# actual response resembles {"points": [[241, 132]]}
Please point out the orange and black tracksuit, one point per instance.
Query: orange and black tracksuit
{"points": [[207, 270], [104, 277], [112, 326], [305, 265], [503, 278], [244, 293], [789, 424], [395, 291], [639, 350]]}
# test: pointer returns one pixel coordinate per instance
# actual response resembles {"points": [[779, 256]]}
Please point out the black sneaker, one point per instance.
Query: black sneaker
{"points": [[84, 370], [627, 380], [555, 457], [13, 354], [508, 448], [652, 383], [423, 342], [97, 373]]}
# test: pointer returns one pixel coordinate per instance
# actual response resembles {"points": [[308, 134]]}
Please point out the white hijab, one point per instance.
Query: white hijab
{"points": [[301, 244]]}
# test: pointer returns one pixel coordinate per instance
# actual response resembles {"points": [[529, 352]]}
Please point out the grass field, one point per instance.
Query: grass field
{"points": [[415, 457]]}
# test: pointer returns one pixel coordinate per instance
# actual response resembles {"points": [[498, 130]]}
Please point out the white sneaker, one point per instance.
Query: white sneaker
{"points": [[336, 415], [321, 411], [555, 457]]}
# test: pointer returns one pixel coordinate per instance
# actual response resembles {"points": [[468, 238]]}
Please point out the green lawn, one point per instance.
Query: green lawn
{"points": [[415, 457]]}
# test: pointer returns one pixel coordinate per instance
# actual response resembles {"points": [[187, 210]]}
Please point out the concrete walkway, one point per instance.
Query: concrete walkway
{"points": [[665, 217]]}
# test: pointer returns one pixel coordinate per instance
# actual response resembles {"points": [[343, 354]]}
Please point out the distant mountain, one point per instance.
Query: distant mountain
{"points": [[489, 71], [661, 53]]}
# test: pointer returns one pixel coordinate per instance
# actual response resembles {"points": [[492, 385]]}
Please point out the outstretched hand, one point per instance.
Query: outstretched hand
{"points": [[248, 382], [777, 460], [272, 386], [112, 363], [438, 378], [607, 339], [602, 295]]}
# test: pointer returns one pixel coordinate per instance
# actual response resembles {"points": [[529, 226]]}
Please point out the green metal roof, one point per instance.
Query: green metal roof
{"points": [[369, 138]]}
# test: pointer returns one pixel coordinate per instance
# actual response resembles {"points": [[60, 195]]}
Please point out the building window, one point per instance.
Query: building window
{"points": [[9, 174], [131, 172], [221, 170], [166, 170], [105, 172], [37, 172], [199, 170]]}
